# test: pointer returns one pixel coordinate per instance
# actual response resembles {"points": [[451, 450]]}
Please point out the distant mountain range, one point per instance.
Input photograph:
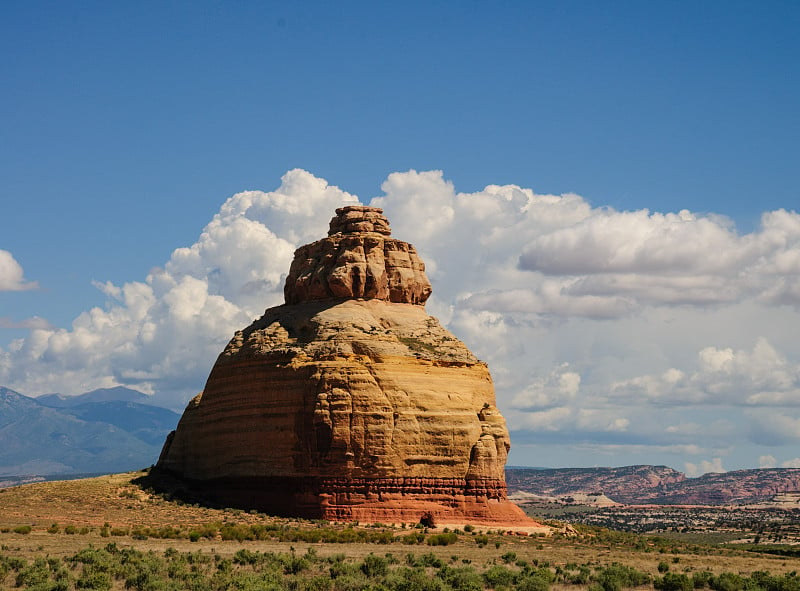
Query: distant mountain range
{"points": [[109, 430], [117, 394], [644, 485]]}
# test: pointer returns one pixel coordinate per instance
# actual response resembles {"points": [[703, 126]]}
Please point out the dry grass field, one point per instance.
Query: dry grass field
{"points": [[97, 511]]}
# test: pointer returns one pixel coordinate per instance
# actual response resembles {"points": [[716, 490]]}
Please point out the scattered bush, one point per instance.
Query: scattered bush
{"points": [[499, 576], [118, 567], [430, 559], [509, 557], [618, 576], [374, 566], [462, 578], [416, 537], [533, 582], [35, 574], [94, 579], [673, 582], [444, 539], [702, 579], [727, 582]]}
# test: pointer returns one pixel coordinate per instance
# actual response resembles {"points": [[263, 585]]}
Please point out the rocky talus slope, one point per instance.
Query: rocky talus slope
{"points": [[349, 402]]}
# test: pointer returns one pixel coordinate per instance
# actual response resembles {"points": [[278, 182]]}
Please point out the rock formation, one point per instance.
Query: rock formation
{"points": [[349, 402]]}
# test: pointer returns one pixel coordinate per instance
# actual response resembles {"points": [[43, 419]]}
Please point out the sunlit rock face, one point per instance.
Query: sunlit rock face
{"points": [[349, 402]]}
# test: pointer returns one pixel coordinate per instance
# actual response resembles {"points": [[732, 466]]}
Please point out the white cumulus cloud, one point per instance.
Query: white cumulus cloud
{"points": [[560, 386], [163, 334], [761, 376], [606, 330], [767, 461], [694, 470], [12, 277]]}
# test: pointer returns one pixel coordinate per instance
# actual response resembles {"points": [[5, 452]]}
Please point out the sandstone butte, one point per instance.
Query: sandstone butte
{"points": [[349, 402]]}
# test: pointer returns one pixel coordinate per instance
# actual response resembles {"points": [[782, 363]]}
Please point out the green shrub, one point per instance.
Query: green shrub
{"points": [[16, 563], [430, 559], [319, 583], [533, 582], [509, 557], [416, 537], [340, 568], [442, 539], [374, 566], [727, 582], [232, 531], [22, 529], [35, 574], [702, 579], [415, 579], [582, 577], [53, 529], [673, 582], [295, 564], [499, 576], [245, 556], [94, 579], [462, 578], [616, 577]]}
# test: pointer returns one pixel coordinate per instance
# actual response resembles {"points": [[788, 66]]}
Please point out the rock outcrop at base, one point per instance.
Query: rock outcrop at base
{"points": [[349, 402]]}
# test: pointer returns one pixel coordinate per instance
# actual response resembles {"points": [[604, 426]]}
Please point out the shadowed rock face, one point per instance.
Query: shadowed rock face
{"points": [[349, 402]]}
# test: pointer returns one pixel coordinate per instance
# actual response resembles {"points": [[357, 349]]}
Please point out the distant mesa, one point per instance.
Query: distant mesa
{"points": [[645, 485], [348, 402]]}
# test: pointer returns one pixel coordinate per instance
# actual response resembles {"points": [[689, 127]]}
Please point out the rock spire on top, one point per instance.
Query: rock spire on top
{"points": [[359, 218], [358, 260]]}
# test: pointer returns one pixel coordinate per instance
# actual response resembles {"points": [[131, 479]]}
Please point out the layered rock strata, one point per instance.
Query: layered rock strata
{"points": [[349, 402]]}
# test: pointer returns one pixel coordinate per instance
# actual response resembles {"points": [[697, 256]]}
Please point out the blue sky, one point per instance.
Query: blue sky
{"points": [[128, 125]]}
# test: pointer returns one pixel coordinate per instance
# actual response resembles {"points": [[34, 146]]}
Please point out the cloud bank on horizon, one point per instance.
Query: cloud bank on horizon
{"points": [[613, 336]]}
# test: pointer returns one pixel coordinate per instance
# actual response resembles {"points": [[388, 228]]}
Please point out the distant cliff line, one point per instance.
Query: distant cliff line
{"points": [[639, 485]]}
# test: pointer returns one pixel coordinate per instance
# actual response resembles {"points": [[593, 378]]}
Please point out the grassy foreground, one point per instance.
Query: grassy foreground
{"points": [[109, 533]]}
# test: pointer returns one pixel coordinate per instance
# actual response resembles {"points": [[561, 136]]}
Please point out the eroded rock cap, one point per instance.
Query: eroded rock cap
{"points": [[358, 260], [359, 218]]}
